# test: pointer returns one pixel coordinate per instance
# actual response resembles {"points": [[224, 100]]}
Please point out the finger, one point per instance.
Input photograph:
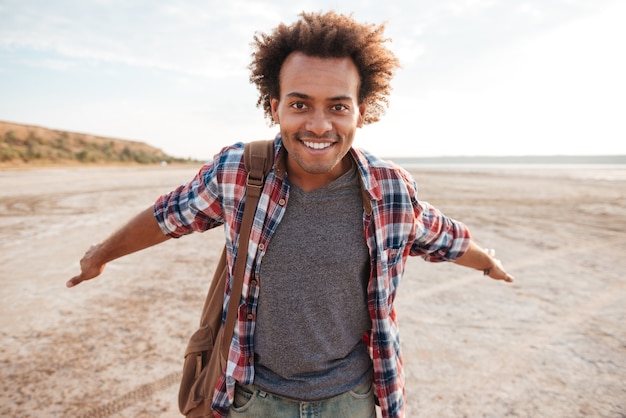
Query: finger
{"points": [[73, 281], [502, 275], [79, 279], [509, 278]]}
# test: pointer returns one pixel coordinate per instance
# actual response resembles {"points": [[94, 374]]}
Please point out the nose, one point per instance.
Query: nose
{"points": [[319, 123]]}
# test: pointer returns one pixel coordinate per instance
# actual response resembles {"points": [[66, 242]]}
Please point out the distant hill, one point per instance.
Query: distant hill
{"points": [[25, 144]]}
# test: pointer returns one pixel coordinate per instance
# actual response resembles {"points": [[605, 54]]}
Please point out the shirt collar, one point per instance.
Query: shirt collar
{"points": [[369, 185]]}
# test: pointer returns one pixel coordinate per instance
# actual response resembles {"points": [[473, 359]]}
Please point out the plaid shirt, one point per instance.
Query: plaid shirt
{"points": [[396, 225]]}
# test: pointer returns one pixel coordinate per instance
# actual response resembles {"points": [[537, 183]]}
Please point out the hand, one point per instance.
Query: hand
{"points": [[496, 271], [89, 267]]}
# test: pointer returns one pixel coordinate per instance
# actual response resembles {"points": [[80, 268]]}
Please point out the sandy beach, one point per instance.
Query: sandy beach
{"points": [[553, 344]]}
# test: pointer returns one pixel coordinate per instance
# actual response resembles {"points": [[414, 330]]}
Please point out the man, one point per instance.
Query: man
{"points": [[317, 331]]}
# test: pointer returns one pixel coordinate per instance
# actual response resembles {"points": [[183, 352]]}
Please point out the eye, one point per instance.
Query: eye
{"points": [[339, 107], [298, 105]]}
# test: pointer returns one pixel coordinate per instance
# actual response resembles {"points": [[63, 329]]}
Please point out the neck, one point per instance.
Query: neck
{"points": [[310, 181]]}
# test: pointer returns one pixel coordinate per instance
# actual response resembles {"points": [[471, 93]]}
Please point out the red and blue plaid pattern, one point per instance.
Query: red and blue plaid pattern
{"points": [[399, 225]]}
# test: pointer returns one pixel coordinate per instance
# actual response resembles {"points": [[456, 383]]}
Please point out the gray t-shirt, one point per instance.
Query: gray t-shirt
{"points": [[312, 311]]}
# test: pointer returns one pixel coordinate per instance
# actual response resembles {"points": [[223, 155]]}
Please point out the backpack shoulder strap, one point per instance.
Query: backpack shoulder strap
{"points": [[258, 160]]}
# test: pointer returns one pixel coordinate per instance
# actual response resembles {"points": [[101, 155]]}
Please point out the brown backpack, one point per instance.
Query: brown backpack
{"points": [[207, 351]]}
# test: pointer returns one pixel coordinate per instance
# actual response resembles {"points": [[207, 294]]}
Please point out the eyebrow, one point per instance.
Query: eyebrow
{"points": [[307, 97]]}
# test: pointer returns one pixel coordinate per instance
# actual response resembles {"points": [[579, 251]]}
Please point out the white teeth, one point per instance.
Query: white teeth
{"points": [[317, 145]]}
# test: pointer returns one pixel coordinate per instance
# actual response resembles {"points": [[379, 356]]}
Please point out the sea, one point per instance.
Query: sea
{"points": [[596, 167]]}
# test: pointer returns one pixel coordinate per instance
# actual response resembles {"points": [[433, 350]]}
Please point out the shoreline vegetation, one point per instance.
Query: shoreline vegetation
{"points": [[28, 145]]}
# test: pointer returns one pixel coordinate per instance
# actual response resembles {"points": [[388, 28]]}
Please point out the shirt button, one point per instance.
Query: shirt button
{"points": [[252, 282], [261, 247], [250, 360], [281, 202], [250, 316]]}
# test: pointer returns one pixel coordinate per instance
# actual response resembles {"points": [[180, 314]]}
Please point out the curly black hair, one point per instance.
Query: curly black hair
{"points": [[326, 35]]}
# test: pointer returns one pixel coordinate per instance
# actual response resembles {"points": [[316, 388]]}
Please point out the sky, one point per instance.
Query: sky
{"points": [[478, 77]]}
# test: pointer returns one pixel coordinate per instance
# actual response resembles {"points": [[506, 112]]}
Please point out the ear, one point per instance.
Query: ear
{"points": [[361, 121], [274, 106]]}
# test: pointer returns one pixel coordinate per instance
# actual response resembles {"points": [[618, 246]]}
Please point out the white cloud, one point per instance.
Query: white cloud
{"points": [[460, 7], [531, 10]]}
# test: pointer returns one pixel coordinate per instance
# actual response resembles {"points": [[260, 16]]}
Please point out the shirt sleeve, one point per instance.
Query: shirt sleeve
{"points": [[191, 207], [438, 237]]}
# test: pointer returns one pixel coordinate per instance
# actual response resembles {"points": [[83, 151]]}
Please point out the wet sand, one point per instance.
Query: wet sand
{"points": [[553, 344]]}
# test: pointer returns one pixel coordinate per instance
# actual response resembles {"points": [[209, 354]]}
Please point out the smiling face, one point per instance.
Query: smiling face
{"points": [[318, 114]]}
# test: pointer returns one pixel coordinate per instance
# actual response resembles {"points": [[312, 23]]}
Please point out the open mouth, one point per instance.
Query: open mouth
{"points": [[317, 145]]}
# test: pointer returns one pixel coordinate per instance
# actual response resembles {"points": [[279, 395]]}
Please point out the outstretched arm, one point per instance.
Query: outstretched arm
{"points": [[140, 232], [476, 257]]}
